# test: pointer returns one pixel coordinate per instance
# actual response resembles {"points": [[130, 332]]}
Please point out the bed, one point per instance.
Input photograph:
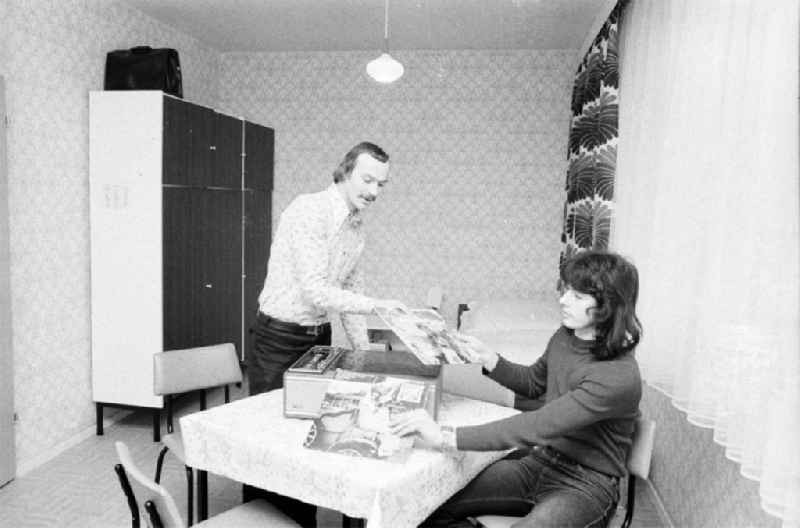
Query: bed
{"points": [[517, 329]]}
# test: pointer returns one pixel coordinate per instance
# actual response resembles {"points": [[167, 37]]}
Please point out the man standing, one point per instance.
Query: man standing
{"points": [[313, 269]]}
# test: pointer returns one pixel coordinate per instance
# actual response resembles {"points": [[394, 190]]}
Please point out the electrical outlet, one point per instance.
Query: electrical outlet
{"points": [[16, 418]]}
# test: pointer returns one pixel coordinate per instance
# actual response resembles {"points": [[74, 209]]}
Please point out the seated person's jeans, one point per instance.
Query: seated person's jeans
{"points": [[540, 484]]}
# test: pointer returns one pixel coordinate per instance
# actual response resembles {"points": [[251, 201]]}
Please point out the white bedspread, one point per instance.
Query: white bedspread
{"points": [[517, 329]]}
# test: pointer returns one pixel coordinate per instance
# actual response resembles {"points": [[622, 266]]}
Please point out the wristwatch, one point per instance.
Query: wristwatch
{"points": [[448, 438]]}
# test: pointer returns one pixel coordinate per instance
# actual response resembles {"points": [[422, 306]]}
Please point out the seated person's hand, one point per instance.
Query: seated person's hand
{"points": [[420, 423], [391, 304], [484, 355]]}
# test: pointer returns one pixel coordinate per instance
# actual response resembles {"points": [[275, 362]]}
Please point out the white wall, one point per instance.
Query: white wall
{"points": [[696, 483]]}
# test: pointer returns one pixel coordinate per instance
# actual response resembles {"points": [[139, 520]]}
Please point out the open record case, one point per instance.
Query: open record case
{"points": [[306, 381], [358, 409]]}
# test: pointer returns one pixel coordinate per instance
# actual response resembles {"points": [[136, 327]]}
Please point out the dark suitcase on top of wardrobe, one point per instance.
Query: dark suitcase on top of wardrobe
{"points": [[144, 68]]}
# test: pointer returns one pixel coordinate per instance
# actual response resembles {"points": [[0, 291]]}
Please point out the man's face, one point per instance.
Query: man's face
{"points": [[365, 182]]}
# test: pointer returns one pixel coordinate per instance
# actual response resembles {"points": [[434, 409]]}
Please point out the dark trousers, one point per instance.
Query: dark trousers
{"points": [[276, 345], [546, 488]]}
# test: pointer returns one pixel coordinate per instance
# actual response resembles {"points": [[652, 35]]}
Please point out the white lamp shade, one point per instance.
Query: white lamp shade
{"points": [[385, 69]]}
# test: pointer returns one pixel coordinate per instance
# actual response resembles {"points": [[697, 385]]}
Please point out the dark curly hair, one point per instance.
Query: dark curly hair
{"points": [[348, 163], [614, 283]]}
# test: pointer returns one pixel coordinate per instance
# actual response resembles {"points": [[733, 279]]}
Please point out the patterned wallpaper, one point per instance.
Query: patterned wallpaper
{"points": [[54, 54], [478, 145], [478, 141], [696, 483]]}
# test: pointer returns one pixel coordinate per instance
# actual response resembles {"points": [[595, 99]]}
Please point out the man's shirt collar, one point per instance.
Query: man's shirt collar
{"points": [[341, 211]]}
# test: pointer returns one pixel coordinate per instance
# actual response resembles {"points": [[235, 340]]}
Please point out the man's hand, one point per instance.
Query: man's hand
{"points": [[418, 422], [484, 355], [390, 304]]}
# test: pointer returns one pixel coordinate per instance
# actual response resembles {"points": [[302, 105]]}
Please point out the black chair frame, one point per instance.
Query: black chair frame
{"points": [[168, 407], [630, 503], [152, 512], [126, 488]]}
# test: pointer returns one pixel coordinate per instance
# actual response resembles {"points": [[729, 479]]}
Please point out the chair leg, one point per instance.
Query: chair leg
{"points": [[126, 488], [202, 495], [155, 518], [98, 411], [190, 494], [168, 409], [630, 502], [160, 463], [156, 425]]}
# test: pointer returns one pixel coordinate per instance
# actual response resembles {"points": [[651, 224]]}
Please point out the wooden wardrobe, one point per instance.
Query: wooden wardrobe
{"points": [[180, 199]]}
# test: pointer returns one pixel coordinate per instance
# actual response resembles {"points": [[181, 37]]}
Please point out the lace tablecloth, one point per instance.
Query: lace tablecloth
{"points": [[250, 441]]}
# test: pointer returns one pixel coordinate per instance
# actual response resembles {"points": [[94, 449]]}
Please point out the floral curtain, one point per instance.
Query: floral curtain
{"points": [[593, 145]]}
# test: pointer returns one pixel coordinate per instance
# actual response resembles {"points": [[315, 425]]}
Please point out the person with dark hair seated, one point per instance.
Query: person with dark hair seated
{"points": [[570, 453]]}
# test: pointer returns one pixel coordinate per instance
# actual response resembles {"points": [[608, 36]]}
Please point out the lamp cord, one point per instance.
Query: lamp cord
{"points": [[386, 26]]}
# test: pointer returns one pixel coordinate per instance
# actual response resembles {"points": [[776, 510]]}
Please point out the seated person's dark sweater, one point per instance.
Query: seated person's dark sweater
{"points": [[590, 410]]}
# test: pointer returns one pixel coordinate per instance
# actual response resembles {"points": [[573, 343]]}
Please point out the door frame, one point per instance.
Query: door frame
{"points": [[7, 437]]}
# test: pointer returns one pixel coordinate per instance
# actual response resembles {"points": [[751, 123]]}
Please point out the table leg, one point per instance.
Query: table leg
{"points": [[202, 495]]}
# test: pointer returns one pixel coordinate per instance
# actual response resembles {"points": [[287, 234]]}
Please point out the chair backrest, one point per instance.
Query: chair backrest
{"points": [[642, 448], [145, 489], [178, 371], [433, 299]]}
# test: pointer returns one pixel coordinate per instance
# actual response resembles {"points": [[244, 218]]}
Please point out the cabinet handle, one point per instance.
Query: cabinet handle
{"points": [[209, 285]]}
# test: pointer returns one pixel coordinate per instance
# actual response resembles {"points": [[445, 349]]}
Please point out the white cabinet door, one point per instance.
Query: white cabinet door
{"points": [[125, 163]]}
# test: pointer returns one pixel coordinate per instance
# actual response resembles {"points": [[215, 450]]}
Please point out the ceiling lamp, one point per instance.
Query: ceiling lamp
{"points": [[385, 69]]}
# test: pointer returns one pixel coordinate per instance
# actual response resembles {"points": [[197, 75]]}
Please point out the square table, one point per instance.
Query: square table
{"points": [[250, 441]]}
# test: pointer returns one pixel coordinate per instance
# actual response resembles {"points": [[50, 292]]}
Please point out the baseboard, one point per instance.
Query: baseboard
{"points": [[666, 521], [28, 465]]}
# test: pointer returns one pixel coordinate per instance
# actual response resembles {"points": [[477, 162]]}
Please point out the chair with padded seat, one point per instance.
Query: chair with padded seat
{"points": [[189, 370], [638, 465], [160, 509]]}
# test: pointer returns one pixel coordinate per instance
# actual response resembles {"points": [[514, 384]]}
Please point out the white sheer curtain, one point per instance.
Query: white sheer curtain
{"points": [[707, 207]]}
